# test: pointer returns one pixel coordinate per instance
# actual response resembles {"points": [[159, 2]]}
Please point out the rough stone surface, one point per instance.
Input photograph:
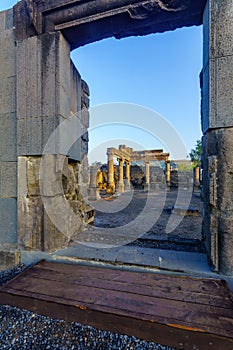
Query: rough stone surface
{"points": [[30, 223], [52, 211], [217, 65], [7, 54], [53, 96], [50, 168], [82, 24], [217, 195], [42, 66], [7, 93], [224, 88], [34, 133], [226, 242], [217, 123], [49, 213], [8, 257], [43, 63], [221, 34], [8, 179], [22, 177], [8, 222], [8, 134]]}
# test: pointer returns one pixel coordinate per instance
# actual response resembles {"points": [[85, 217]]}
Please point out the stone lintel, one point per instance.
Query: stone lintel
{"points": [[83, 24]]}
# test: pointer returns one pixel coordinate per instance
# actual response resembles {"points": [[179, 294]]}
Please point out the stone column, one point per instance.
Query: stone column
{"points": [[196, 175], [127, 180], [93, 190], [120, 185], [217, 127], [111, 182], [168, 172], [147, 184]]}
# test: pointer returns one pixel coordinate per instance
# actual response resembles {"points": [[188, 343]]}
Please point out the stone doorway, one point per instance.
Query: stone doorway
{"points": [[48, 31], [187, 243]]}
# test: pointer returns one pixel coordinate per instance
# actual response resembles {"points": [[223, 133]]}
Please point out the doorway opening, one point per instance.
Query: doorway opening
{"points": [[158, 73]]}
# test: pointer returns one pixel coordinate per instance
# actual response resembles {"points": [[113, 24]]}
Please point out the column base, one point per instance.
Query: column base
{"points": [[126, 185], [93, 194], [146, 187], [111, 188], [120, 187]]}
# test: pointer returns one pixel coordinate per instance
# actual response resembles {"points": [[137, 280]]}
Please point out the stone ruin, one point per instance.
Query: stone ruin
{"points": [[40, 87], [148, 170], [126, 174]]}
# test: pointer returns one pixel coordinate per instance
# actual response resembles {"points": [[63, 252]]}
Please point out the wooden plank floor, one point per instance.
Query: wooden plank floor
{"points": [[180, 311]]}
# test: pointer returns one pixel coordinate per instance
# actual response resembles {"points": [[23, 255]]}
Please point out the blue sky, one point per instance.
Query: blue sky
{"points": [[159, 72]]}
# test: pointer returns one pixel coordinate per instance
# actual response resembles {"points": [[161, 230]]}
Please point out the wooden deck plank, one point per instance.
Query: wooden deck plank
{"points": [[157, 332], [173, 310], [205, 285], [162, 289], [83, 305], [186, 307]]}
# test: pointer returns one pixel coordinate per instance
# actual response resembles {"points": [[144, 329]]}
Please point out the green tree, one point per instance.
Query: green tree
{"points": [[195, 154]]}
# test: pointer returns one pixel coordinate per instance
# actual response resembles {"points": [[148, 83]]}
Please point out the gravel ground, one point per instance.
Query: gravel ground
{"points": [[140, 219], [21, 329], [189, 228]]}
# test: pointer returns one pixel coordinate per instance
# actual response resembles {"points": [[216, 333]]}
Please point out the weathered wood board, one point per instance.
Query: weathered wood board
{"points": [[180, 311]]}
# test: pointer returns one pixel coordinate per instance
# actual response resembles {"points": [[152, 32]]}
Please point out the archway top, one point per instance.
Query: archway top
{"points": [[83, 22]]}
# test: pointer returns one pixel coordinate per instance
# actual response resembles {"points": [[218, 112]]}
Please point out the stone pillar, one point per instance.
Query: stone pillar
{"points": [[120, 185], [127, 179], [8, 138], [147, 184], [217, 127], [196, 176], [111, 182], [49, 90], [168, 172], [93, 190]]}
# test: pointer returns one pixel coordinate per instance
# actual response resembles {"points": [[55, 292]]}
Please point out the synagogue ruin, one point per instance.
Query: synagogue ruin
{"points": [[41, 87], [149, 170], [125, 157]]}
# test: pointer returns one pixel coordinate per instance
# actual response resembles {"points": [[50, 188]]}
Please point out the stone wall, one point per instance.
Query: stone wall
{"points": [[44, 222], [8, 136], [40, 88], [51, 211], [217, 126]]}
